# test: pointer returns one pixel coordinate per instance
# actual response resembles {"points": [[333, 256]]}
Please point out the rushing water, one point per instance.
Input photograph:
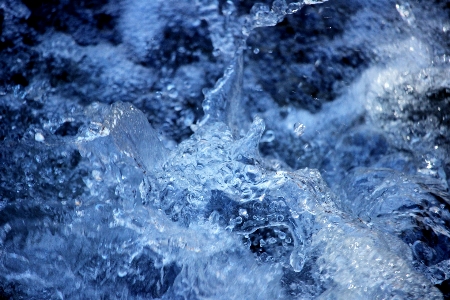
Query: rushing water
{"points": [[297, 151]]}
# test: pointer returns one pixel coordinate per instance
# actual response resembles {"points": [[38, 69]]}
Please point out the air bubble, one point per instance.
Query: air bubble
{"points": [[243, 213], [272, 240], [268, 137], [39, 137], [294, 7], [299, 129], [246, 194], [122, 272]]}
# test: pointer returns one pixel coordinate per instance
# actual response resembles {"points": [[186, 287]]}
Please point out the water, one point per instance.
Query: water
{"points": [[263, 175]]}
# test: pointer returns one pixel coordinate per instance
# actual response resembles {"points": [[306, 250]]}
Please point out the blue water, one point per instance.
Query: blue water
{"points": [[225, 150]]}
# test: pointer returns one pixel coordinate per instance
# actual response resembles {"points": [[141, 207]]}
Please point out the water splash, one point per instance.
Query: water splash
{"points": [[212, 218]]}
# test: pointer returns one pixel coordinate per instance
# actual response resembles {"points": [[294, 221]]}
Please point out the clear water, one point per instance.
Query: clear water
{"points": [[349, 202]]}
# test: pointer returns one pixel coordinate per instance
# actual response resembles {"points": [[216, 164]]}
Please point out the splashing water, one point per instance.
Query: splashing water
{"points": [[212, 218]]}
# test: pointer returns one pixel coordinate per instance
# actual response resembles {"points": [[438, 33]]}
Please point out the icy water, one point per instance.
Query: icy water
{"points": [[225, 150]]}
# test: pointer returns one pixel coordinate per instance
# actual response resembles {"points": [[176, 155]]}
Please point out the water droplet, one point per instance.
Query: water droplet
{"points": [[216, 52], [256, 50], [405, 11], [122, 272], [189, 119], [172, 91], [272, 240], [299, 129], [228, 8], [246, 194], [39, 137], [294, 7], [268, 137], [243, 213]]}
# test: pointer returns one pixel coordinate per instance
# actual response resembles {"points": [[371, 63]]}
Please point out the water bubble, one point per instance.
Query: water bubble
{"points": [[263, 257], [405, 11], [272, 240], [122, 272], [246, 194], [257, 206], [293, 8], [312, 2], [256, 50], [435, 210], [297, 260], [299, 129], [243, 213], [172, 91], [273, 206], [228, 8], [189, 119], [216, 52], [268, 137], [263, 16], [423, 252], [39, 137]]}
